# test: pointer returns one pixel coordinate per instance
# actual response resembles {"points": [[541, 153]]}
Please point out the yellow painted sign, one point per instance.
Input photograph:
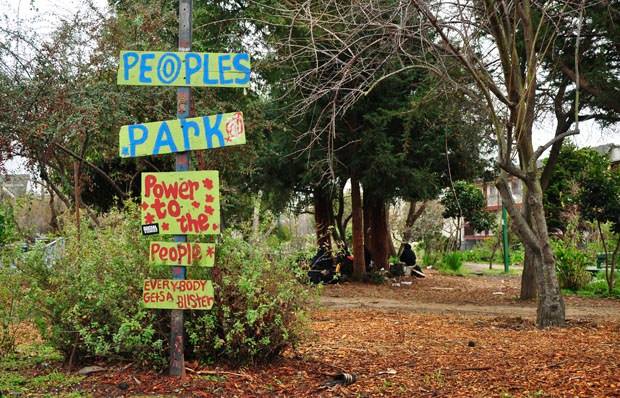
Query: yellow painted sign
{"points": [[182, 203], [166, 68], [178, 294], [182, 253], [179, 135]]}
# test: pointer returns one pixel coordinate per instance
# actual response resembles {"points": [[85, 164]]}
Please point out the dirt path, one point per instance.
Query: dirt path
{"points": [[471, 296], [525, 311]]}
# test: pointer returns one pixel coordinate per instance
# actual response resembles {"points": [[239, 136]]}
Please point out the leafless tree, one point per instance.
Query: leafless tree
{"points": [[491, 50]]}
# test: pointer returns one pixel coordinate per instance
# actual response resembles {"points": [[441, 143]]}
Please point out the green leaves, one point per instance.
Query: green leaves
{"points": [[562, 192], [467, 201], [259, 305], [599, 196], [571, 265]]}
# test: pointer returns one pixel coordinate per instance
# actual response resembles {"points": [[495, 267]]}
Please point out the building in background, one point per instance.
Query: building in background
{"points": [[493, 205], [14, 186], [494, 202], [613, 153]]}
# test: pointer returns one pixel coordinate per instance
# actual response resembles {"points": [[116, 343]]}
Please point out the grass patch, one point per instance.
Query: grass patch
{"points": [[496, 271], [55, 379], [597, 288], [447, 271], [16, 372], [214, 378], [28, 356]]}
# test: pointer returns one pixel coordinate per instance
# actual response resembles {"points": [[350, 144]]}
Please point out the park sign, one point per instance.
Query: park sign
{"points": [[178, 294], [166, 68], [186, 202], [182, 253], [179, 135]]}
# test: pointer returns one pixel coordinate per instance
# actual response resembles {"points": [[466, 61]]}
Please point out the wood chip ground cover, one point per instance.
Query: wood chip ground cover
{"points": [[405, 354]]}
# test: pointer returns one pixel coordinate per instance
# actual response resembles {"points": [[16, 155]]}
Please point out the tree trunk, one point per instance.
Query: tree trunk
{"points": [[378, 231], [390, 240], [340, 220], [322, 217], [564, 120], [551, 310], [77, 191], [359, 262], [528, 276], [533, 231], [53, 213], [256, 218], [366, 223], [412, 216]]}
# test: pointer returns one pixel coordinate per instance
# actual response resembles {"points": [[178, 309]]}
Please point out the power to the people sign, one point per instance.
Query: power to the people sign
{"points": [[206, 132], [166, 68], [185, 202]]}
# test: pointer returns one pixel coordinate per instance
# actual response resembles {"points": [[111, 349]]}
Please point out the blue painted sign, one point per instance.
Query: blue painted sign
{"points": [[166, 68], [206, 132]]}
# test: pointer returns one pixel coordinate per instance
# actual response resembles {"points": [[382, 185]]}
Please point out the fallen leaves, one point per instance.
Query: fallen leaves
{"points": [[405, 354]]}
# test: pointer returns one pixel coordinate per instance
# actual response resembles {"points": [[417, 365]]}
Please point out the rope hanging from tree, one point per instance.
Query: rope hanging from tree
{"points": [[577, 79]]}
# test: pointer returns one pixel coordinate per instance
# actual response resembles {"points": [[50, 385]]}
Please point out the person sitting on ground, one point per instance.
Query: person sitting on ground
{"points": [[408, 257], [344, 263], [321, 267]]}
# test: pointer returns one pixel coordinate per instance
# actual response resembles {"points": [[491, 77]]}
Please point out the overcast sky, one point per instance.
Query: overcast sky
{"points": [[45, 15]]}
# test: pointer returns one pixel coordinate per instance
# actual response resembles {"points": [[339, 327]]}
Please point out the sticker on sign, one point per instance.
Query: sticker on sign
{"points": [[150, 229]]}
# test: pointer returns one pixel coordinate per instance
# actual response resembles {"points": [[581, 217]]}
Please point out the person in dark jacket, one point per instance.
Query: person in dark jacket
{"points": [[321, 267], [408, 257]]}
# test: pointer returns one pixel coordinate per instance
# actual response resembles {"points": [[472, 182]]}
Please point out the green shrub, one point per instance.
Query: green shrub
{"points": [[429, 257], [11, 301], [7, 224], [517, 255], [598, 287], [376, 277], [13, 306], [571, 264], [259, 305], [483, 251], [89, 301], [451, 261]]}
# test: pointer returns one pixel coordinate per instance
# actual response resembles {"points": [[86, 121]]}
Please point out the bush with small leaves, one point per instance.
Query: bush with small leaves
{"points": [[260, 305], [89, 301], [571, 264]]}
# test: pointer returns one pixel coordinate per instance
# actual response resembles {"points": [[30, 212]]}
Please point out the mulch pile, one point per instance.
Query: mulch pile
{"points": [[405, 355], [408, 354]]}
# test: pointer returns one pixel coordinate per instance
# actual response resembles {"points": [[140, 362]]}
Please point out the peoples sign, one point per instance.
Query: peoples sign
{"points": [[184, 202], [182, 253], [165, 68], [181, 294], [206, 132]]}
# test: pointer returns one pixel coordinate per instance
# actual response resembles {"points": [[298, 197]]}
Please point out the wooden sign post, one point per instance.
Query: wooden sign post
{"points": [[182, 202]]}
